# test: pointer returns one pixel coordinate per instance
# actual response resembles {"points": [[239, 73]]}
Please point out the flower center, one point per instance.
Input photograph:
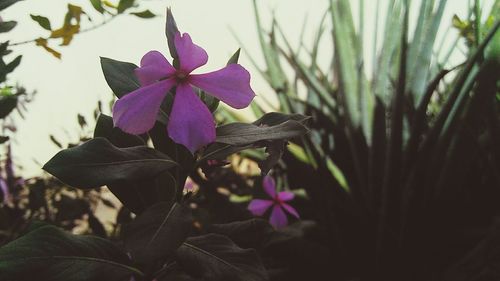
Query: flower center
{"points": [[181, 76]]}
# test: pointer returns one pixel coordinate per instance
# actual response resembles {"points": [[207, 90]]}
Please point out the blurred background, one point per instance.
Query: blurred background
{"points": [[74, 84]]}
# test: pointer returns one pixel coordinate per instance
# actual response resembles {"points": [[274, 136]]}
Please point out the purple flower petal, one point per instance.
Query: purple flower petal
{"points": [[135, 113], [230, 84], [286, 196], [191, 123], [154, 66], [258, 206], [290, 210], [269, 186], [278, 217], [191, 56]]}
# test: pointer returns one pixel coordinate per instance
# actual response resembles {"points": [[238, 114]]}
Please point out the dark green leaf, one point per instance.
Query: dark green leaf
{"points": [[7, 104], [274, 152], [3, 139], [120, 76], [97, 4], [42, 21], [243, 134], [6, 3], [170, 31], [98, 162], [7, 26], [124, 5], [157, 232], [210, 101], [105, 128], [216, 257], [276, 118], [8, 68], [246, 234], [52, 254], [138, 195], [234, 58], [147, 14]]}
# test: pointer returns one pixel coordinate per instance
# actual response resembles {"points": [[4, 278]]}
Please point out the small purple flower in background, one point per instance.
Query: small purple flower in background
{"points": [[190, 122], [278, 217], [4, 189]]}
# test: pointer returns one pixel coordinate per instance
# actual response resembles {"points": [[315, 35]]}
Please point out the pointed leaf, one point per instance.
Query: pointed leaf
{"points": [[42, 21], [97, 4], [216, 257], [7, 26], [98, 162], [55, 255], [157, 232], [119, 76], [147, 14]]}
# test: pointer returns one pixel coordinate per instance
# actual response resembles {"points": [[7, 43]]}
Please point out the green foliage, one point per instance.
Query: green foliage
{"points": [[146, 14], [42, 21], [158, 232], [120, 76], [216, 257], [390, 151], [98, 162], [62, 256]]}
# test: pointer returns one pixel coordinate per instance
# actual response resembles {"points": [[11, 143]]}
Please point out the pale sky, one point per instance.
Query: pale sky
{"points": [[75, 83]]}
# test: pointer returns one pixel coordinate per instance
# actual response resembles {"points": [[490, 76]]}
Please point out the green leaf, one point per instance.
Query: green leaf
{"points": [[170, 31], [104, 128], [261, 133], [216, 257], [6, 3], [42, 21], [97, 4], [141, 194], [7, 104], [124, 5], [52, 254], [243, 134], [158, 232], [97, 162], [146, 14], [234, 58], [7, 26], [120, 76]]}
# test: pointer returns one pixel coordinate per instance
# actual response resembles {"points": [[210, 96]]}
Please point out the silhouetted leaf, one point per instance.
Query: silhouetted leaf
{"points": [[147, 14], [216, 257], [52, 254], [170, 31], [124, 5], [105, 128], [157, 232], [42, 21], [98, 162], [6, 3], [7, 104], [7, 26], [119, 76], [97, 4]]}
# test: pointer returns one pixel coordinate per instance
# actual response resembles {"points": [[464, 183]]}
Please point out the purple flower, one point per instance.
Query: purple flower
{"points": [[278, 217], [4, 188], [190, 122]]}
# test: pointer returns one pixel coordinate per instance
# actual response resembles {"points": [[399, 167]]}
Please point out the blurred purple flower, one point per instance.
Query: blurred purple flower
{"points": [[190, 122], [278, 217], [4, 188]]}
